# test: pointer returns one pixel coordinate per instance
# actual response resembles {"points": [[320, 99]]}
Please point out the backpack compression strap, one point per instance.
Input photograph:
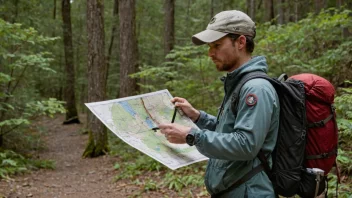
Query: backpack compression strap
{"points": [[321, 124], [322, 155]]}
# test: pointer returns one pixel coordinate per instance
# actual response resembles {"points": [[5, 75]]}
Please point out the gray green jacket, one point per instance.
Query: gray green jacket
{"points": [[233, 143]]}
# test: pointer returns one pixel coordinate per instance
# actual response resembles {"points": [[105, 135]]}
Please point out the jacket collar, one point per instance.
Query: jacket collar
{"points": [[257, 63]]}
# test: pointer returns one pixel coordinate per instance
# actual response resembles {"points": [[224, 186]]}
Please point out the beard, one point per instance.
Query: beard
{"points": [[223, 67]]}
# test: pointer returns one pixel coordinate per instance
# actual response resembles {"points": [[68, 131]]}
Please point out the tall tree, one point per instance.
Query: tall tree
{"points": [[280, 11], [71, 113], [211, 9], [128, 47], [251, 9], [98, 139], [296, 17], [113, 33], [54, 10], [169, 32], [318, 5], [269, 10]]}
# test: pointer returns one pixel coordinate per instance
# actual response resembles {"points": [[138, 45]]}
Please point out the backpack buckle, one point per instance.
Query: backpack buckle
{"points": [[324, 155], [320, 123]]}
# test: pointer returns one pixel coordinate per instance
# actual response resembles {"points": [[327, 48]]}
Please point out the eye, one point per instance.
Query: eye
{"points": [[214, 45]]}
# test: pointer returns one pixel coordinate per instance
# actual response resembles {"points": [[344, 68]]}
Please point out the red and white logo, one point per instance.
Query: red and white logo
{"points": [[251, 99]]}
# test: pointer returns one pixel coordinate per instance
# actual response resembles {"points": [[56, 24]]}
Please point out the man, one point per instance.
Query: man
{"points": [[232, 142]]}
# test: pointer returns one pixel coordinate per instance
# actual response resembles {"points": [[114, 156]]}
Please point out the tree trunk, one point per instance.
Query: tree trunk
{"points": [[98, 139], [296, 10], [251, 9], [16, 11], [113, 33], [319, 5], [287, 11], [211, 9], [280, 7], [339, 3], [269, 10], [54, 10], [128, 47], [71, 110], [169, 32]]}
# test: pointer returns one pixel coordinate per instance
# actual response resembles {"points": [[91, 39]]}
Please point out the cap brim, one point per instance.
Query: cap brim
{"points": [[207, 36]]}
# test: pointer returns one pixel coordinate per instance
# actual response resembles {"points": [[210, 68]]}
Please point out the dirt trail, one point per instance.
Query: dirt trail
{"points": [[73, 176]]}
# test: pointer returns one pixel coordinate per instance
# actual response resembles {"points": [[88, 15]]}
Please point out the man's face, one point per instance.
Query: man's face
{"points": [[224, 54]]}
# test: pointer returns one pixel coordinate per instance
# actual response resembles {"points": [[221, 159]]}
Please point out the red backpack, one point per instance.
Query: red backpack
{"points": [[306, 147], [322, 137]]}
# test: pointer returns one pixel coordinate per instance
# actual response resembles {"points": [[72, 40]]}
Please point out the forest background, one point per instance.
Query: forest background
{"points": [[56, 55]]}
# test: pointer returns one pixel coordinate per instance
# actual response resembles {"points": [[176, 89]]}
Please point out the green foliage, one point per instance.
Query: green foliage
{"points": [[23, 55], [182, 180], [189, 74], [141, 164], [344, 188], [343, 104], [344, 160], [150, 185], [134, 165], [12, 163], [48, 107], [314, 44]]}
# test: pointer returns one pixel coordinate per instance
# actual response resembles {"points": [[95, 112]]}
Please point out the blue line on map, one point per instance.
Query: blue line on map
{"points": [[128, 108], [157, 148], [149, 122]]}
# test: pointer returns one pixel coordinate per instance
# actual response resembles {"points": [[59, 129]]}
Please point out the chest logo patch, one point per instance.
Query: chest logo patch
{"points": [[251, 99]]}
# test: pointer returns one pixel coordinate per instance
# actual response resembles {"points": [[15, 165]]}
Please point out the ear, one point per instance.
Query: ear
{"points": [[241, 42]]}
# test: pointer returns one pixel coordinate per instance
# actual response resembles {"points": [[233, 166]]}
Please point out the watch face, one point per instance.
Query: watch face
{"points": [[190, 139]]}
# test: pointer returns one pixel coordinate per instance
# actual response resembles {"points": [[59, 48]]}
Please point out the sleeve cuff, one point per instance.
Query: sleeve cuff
{"points": [[196, 133], [201, 119]]}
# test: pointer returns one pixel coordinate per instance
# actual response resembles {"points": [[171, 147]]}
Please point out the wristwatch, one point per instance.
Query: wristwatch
{"points": [[190, 139]]}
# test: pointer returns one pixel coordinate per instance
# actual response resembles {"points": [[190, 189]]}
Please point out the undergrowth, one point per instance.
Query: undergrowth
{"points": [[151, 175], [12, 163]]}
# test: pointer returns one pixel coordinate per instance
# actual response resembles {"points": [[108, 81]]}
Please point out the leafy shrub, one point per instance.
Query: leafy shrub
{"points": [[23, 57], [314, 44], [190, 74], [12, 163], [343, 104]]}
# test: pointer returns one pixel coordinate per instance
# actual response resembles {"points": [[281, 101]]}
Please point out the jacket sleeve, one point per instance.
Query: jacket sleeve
{"points": [[251, 126], [206, 121]]}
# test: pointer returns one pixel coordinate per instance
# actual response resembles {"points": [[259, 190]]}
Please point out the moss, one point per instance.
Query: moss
{"points": [[95, 148]]}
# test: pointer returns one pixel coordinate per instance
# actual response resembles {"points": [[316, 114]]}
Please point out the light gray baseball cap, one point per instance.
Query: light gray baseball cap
{"points": [[226, 22]]}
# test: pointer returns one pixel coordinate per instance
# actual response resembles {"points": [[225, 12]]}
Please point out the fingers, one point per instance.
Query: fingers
{"points": [[177, 99], [180, 102], [173, 139], [168, 132], [163, 127]]}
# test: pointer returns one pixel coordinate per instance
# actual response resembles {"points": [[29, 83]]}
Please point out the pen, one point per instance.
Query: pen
{"points": [[172, 120], [173, 117]]}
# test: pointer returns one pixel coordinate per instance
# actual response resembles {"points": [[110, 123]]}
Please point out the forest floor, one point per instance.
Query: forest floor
{"points": [[74, 176]]}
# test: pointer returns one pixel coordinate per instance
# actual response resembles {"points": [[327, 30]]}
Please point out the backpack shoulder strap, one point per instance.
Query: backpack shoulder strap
{"points": [[244, 79]]}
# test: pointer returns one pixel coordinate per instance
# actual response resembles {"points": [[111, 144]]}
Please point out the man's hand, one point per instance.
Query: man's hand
{"points": [[175, 133], [187, 108]]}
